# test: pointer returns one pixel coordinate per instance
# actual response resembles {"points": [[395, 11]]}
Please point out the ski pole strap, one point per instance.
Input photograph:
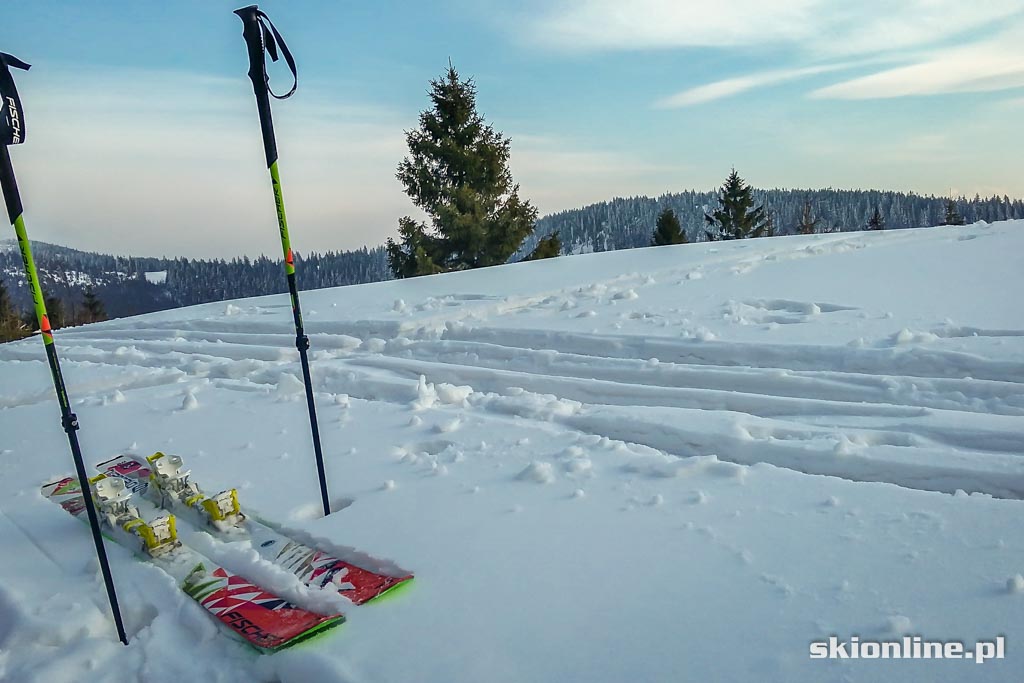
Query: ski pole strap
{"points": [[13, 130], [271, 40]]}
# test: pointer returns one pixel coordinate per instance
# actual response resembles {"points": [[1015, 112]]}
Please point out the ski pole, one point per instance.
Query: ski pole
{"points": [[261, 37], [12, 132]]}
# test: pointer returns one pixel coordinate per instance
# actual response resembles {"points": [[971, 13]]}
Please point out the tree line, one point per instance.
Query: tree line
{"points": [[192, 281], [627, 222], [131, 285], [738, 216]]}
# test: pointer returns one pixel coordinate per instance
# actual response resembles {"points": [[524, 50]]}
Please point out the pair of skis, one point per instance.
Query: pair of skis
{"points": [[257, 616]]}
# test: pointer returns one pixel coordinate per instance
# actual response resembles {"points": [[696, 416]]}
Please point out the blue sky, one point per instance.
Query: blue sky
{"points": [[143, 138]]}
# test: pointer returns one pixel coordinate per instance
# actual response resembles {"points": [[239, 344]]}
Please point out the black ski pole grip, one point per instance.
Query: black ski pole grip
{"points": [[252, 32], [12, 115]]}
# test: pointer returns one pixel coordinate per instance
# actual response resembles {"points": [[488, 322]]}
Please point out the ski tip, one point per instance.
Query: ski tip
{"points": [[61, 487], [306, 636], [400, 587]]}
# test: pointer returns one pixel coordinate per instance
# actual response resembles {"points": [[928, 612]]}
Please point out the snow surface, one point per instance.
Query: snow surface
{"points": [[667, 464], [156, 277]]}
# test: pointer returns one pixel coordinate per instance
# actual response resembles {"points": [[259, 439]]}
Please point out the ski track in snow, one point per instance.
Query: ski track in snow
{"points": [[639, 380], [797, 406]]}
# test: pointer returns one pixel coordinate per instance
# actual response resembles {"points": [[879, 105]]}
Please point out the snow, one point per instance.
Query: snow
{"points": [[665, 464], [156, 277]]}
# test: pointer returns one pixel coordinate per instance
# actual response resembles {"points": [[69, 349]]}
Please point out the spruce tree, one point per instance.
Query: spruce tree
{"points": [[667, 230], [457, 172], [769, 220], [548, 247], [6, 307], [10, 324], [769, 224], [876, 222], [736, 216], [55, 312], [808, 224], [953, 216], [93, 310]]}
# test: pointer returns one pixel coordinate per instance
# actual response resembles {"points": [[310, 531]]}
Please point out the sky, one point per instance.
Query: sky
{"points": [[142, 135]]}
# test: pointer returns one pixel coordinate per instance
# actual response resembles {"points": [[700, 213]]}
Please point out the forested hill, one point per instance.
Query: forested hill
{"points": [[132, 285], [629, 223], [129, 285]]}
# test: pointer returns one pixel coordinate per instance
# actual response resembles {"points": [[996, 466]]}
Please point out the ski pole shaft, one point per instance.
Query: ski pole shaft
{"points": [[68, 419], [254, 31]]}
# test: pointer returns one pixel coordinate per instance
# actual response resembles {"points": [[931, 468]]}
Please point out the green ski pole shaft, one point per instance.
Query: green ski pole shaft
{"points": [[255, 32], [68, 419]]}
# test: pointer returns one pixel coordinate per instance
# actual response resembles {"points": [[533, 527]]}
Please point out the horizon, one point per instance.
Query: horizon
{"points": [[137, 145], [12, 241]]}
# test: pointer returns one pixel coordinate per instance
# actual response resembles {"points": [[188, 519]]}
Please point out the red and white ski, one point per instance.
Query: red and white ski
{"points": [[164, 481], [260, 618]]}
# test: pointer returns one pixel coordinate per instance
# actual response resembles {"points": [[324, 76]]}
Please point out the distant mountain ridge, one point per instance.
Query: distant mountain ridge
{"points": [[130, 285]]}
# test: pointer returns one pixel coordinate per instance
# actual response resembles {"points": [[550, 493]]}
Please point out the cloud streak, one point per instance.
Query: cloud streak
{"points": [[645, 24], [814, 34], [814, 27], [993, 64], [730, 87]]}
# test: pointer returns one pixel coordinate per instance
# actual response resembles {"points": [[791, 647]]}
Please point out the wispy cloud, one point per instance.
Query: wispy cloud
{"points": [[734, 86], [644, 24], [995, 63], [813, 34], [813, 26], [1010, 105]]}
